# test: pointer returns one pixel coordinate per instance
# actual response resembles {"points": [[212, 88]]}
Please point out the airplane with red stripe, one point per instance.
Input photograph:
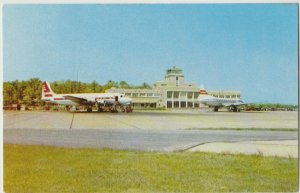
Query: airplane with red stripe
{"points": [[86, 99], [216, 103]]}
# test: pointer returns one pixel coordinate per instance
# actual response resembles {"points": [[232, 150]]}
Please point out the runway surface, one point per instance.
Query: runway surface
{"points": [[150, 131], [136, 139], [149, 120]]}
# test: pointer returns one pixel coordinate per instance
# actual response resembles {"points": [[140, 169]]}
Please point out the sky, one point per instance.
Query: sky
{"points": [[252, 48]]}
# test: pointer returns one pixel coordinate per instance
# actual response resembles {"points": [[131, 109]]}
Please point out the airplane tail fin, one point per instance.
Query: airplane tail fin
{"points": [[47, 92], [203, 92]]}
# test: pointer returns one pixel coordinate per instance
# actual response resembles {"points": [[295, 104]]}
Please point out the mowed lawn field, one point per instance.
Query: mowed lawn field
{"points": [[30, 168]]}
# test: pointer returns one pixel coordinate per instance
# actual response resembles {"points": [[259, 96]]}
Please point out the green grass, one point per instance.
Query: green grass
{"points": [[246, 129], [29, 168]]}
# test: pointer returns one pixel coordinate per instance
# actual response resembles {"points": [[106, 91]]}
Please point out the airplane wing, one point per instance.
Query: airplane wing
{"points": [[76, 99]]}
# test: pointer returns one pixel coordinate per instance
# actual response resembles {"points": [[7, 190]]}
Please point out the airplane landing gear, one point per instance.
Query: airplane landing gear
{"points": [[67, 107], [113, 109], [234, 109]]}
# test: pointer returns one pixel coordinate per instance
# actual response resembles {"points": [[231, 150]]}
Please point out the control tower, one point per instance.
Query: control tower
{"points": [[174, 75]]}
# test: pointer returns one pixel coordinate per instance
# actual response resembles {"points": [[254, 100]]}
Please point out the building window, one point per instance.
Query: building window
{"points": [[176, 104], [183, 104], [238, 96], [221, 96], [196, 105], [190, 95], [183, 94], [149, 94], [227, 96], [156, 95], [134, 94], [190, 105], [169, 104], [128, 94], [176, 95], [142, 94], [169, 94], [196, 95]]}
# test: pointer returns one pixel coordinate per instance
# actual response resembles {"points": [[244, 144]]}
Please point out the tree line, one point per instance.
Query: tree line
{"points": [[270, 106], [29, 92]]}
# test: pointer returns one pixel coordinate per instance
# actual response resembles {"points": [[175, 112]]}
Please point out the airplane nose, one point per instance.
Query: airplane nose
{"points": [[127, 100]]}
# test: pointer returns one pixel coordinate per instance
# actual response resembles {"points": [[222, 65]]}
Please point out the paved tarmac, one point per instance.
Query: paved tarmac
{"points": [[136, 139], [149, 120], [150, 131], [281, 148]]}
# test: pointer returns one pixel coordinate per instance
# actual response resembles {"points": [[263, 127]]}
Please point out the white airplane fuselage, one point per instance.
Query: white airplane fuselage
{"points": [[107, 98], [215, 102], [87, 99]]}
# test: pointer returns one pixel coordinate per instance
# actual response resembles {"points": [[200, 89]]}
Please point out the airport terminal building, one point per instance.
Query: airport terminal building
{"points": [[172, 93]]}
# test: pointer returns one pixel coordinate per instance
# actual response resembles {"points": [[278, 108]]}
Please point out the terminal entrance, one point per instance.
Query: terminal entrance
{"points": [[182, 99]]}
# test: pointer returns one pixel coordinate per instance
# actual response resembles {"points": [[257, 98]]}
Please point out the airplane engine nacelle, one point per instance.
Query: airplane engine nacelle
{"points": [[90, 100], [99, 101]]}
